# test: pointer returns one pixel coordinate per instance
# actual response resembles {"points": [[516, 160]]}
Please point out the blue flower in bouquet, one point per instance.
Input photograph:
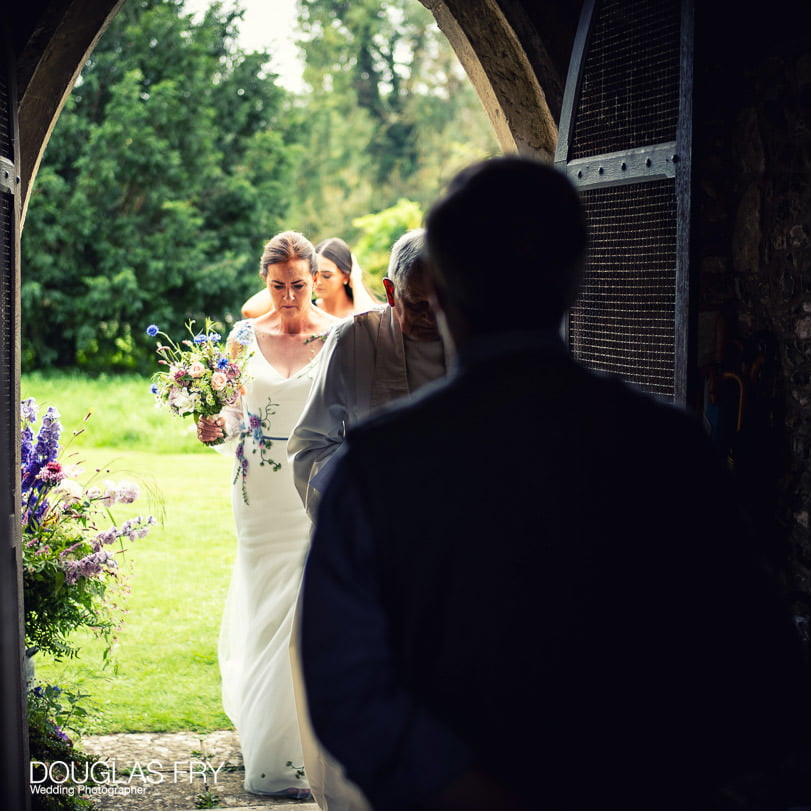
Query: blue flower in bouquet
{"points": [[242, 333], [152, 330], [200, 375]]}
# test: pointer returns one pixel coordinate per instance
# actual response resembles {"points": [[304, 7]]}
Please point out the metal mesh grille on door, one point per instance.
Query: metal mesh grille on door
{"points": [[624, 141], [629, 95], [623, 320]]}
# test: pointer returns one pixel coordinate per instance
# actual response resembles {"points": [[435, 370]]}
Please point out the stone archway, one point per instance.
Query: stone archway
{"points": [[519, 78]]}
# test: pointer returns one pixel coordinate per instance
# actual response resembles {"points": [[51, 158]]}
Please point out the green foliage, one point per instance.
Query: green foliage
{"points": [[390, 115], [72, 547], [378, 232], [167, 170], [207, 799], [51, 711], [177, 156]]}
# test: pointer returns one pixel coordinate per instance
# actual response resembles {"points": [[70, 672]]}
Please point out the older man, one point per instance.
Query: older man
{"points": [[531, 587], [369, 361]]}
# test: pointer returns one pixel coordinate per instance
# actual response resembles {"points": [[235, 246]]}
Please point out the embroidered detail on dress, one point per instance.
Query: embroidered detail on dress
{"points": [[255, 429]]}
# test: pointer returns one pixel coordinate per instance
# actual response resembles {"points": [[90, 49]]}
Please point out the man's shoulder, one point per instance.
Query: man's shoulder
{"points": [[367, 321], [607, 402]]}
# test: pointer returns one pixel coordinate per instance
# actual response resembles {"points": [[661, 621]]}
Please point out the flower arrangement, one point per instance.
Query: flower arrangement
{"points": [[71, 544], [71, 547], [202, 377]]}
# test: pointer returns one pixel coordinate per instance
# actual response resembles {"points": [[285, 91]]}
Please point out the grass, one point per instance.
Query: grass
{"points": [[163, 675], [124, 414]]}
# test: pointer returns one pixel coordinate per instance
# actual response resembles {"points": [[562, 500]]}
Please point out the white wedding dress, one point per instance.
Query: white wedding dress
{"points": [[272, 539]]}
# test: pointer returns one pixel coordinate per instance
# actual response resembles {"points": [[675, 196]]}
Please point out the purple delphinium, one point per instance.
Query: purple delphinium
{"points": [[47, 446], [28, 411], [35, 457], [88, 566]]}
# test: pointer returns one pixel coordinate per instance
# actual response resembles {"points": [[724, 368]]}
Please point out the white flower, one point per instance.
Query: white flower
{"points": [[181, 401], [68, 491], [127, 492], [110, 493]]}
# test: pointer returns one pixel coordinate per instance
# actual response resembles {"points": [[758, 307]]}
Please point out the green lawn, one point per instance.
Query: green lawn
{"points": [[163, 675]]}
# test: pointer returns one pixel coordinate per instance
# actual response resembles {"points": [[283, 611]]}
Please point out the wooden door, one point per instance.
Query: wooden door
{"points": [[13, 726]]}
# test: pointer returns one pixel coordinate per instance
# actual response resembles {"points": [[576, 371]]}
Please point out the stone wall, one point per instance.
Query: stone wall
{"points": [[753, 222]]}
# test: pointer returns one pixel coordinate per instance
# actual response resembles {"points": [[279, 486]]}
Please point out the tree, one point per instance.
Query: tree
{"points": [[378, 232], [165, 174], [390, 114]]}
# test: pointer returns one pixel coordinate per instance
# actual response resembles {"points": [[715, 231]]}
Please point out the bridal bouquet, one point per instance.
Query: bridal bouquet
{"points": [[201, 375]]}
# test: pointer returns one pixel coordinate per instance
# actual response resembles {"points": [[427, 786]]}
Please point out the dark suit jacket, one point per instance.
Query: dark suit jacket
{"points": [[554, 569]]}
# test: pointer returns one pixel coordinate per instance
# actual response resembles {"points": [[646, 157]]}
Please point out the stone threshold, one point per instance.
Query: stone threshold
{"points": [[178, 771]]}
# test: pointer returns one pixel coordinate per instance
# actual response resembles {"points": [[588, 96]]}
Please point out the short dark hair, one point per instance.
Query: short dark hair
{"points": [[286, 247], [508, 215]]}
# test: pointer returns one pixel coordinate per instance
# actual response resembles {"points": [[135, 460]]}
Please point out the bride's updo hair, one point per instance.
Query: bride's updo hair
{"points": [[336, 250], [286, 247]]}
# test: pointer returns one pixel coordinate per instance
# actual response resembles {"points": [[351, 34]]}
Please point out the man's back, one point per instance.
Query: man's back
{"points": [[587, 610]]}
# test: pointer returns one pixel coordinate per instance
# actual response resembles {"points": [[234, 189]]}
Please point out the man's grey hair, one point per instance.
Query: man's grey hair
{"points": [[407, 256]]}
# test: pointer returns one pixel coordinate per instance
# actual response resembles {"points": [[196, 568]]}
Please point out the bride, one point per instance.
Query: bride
{"points": [[271, 524], [337, 284]]}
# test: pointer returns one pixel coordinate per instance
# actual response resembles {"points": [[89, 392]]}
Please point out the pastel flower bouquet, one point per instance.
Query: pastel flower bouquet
{"points": [[202, 374]]}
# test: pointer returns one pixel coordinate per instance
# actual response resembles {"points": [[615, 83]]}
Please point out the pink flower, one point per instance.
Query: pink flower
{"points": [[196, 369], [218, 381], [52, 473]]}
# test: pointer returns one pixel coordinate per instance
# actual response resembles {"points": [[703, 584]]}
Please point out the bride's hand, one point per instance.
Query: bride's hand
{"points": [[210, 428]]}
